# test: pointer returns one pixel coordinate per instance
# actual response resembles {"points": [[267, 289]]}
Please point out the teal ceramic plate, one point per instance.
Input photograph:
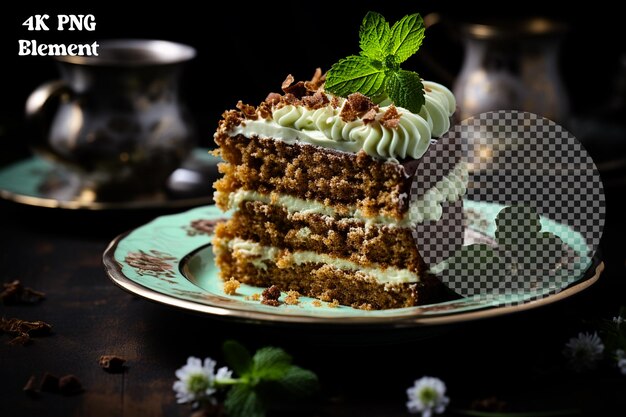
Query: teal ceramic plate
{"points": [[170, 260], [37, 182]]}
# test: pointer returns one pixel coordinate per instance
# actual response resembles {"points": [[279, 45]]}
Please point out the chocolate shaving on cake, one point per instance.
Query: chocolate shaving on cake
{"points": [[270, 296], [316, 82], [355, 106], [290, 99], [316, 101], [248, 111], [370, 116], [272, 99], [298, 89], [230, 119], [334, 101], [391, 118], [265, 110], [288, 81]]}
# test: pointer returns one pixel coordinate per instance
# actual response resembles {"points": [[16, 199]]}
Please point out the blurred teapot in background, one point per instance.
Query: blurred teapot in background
{"points": [[510, 65], [115, 121]]}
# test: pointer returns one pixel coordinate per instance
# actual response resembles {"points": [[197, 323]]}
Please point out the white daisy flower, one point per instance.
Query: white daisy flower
{"points": [[584, 351], [197, 380], [621, 360], [427, 395]]}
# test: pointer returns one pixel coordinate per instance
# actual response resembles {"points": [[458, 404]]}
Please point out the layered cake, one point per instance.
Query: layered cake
{"points": [[329, 197]]}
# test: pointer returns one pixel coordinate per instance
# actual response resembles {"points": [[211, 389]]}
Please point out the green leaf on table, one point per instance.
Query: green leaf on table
{"points": [[244, 401], [401, 85], [374, 36], [237, 357], [270, 363], [299, 382]]}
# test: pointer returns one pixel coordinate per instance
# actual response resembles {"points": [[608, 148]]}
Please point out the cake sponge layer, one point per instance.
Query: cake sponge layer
{"points": [[271, 225], [338, 179], [325, 282]]}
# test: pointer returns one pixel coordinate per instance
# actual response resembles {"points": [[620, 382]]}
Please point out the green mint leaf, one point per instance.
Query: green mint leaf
{"points": [[270, 363], [299, 382], [355, 74], [406, 37], [237, 357], [243, 401], [373, 36], [405, 89]]}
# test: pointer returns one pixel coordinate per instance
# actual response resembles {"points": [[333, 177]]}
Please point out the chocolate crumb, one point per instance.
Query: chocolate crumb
{"points": [[15, 293], [356, 105], [270, 296], [231, 286], [248, 111], [316, 101], [30, 388], [316, 82], [272, 98], [288, 81], [49, 383], [112, 363], [370, 116], [391, 118], [265, 110], [316, 303], [333, 304], [254, 297], [70, 385], [298, 90], [23, 329]]}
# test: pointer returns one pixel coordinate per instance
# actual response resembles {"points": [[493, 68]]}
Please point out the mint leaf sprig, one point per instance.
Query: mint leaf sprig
{"points": [[376, 71], [261, 379]]}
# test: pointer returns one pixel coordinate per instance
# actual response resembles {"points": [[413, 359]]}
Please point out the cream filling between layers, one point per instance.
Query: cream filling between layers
{"points": [[429, 207], [257, 254]]}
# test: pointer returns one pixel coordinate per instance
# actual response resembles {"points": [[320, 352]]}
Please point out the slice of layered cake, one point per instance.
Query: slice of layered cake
{"points": [[327, 194], [330, 196]]}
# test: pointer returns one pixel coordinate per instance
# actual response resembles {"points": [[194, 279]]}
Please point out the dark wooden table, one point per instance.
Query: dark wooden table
{"points": [[517, 358]]}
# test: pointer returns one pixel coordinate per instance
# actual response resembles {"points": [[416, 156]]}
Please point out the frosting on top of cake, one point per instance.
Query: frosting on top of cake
{"points": [[350, 124]]}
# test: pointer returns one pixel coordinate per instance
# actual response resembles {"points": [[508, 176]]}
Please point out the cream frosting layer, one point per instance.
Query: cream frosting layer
{"points": [[324, 127], [257, 254], [428, 207]]}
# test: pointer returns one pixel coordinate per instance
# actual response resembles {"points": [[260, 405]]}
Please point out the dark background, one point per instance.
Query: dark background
{"points": [[245, 51]]}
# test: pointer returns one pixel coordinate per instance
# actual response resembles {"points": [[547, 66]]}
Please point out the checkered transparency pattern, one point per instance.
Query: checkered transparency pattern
{"points": [[521, 160]]}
